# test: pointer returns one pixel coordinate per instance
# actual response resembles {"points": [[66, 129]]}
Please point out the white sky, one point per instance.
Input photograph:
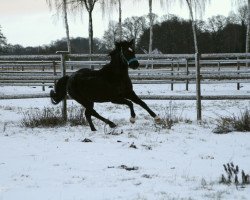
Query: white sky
{"points": [[32, 23]]}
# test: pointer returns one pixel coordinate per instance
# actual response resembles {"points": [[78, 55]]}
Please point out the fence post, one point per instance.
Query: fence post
{"points": [[218, 66], [152, 65], [172, 81], [187, 73], [43, 87], [198, 86], [54, 71], [247, 64], [178, 68], [63, 55], [238, 68]]}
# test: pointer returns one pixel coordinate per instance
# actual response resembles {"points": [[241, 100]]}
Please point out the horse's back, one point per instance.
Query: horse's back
{"points": [[85, 72]]}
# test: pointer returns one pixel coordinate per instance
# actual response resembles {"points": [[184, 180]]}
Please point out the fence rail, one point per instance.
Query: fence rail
{"points": [[170, 68]]}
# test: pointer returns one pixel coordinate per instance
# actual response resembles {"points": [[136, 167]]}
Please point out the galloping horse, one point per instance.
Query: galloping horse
{"points": [[109, 84]]}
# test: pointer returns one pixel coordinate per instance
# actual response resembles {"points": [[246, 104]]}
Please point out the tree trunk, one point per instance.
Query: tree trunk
{"points": [[243, 36], [90, 33], [151, 27], [248, 27], [120, 20], [193, 26], [66, 25]]}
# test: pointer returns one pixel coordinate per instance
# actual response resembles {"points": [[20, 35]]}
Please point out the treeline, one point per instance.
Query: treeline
{"points": [[171, 35], [219, 34], [79, 45]]}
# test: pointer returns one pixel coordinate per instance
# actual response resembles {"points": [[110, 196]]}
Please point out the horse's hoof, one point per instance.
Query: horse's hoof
{"points": [[132, 120], [93, 129], [157, 119], [112, 125]]}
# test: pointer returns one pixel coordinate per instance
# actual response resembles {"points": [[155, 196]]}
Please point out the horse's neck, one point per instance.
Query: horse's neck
{"points": [[116, 68], [119, 66]]}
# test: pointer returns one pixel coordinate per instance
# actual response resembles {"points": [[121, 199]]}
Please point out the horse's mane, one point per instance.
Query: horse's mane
{"points": [[118, 46], [113, 52]]}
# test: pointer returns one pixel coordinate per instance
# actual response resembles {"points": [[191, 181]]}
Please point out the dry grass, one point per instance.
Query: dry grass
{"points": [[234, 123], [52, 117], [170, 117]]}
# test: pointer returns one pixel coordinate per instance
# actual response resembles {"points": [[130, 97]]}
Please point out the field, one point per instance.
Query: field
{"points": [[141, 161]]}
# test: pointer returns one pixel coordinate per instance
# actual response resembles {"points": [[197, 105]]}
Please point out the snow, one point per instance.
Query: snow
{"points": [[185, 162]]}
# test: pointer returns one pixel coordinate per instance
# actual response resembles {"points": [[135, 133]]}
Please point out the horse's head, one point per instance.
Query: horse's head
{"points": [[127, 53]]}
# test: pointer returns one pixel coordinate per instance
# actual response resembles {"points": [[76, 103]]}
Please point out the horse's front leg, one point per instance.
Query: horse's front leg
{"points": [[129, 104], [133, 97]]}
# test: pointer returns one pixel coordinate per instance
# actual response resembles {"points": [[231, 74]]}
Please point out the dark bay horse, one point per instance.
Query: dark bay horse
{"points": [[109, 84]]}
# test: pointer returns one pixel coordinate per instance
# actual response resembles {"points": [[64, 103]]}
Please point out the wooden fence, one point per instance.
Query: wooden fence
{"points": [[171, 69]]}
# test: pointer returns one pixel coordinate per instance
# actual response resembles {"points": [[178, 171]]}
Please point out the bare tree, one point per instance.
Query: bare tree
{"points": [[248, 27], [3, 40], [216, 23], [62, 6], [195, 6], [190, 7], [150, 27], [111, 35], [133, 28], [152, 18], [89, 6], [241, 3], [110, 5], [120, 19], [240, 16]]}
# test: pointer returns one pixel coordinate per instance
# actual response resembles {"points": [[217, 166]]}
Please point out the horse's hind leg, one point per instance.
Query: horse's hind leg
{"points": [[95, 114], [91, 112], [88, 117], [129, 104]]}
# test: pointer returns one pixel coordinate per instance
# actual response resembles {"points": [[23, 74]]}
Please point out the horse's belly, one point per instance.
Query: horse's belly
{"points": [[97, 91]]}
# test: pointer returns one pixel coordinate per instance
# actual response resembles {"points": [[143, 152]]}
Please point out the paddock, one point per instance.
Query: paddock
{"points": [[134, 161]]}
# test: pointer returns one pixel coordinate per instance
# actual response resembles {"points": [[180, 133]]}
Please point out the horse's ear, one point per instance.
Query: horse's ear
{"points": [[117, 45]]}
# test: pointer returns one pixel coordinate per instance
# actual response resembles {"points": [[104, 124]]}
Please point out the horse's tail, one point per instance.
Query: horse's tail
{"points": [[60, 91]]}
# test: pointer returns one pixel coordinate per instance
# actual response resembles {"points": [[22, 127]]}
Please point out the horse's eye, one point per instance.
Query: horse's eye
{"points": [[130, 49]]}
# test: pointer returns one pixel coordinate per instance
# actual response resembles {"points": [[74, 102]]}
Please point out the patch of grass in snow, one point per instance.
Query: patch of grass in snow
{"points": [[216, 194], [233, 123], [233, 176], [6, 107], [76, 116], [170, 117], [52, 117]]}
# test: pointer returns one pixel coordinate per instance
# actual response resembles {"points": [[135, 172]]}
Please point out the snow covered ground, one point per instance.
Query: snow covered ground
{"points": [[140, 161]]}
